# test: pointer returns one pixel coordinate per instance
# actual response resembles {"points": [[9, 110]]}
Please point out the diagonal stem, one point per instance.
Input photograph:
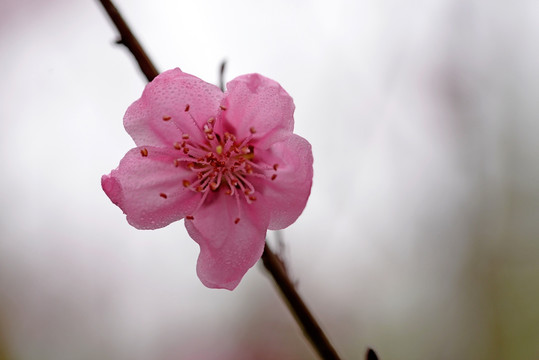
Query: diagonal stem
{"points": [[272, 263], [297, 307], [130, 41]]}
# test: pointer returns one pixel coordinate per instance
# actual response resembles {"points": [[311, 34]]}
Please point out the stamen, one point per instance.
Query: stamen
{"points": [[223, 107], [187, 107], [219, 178], [144, 152], [163, 195], [166, 117], [202, 199], [221, 161], [246, 182]]}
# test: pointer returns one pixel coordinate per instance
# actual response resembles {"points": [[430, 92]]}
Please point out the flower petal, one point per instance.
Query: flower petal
{"points": [[287, 194], [147, 186], [228, 248], [173, 104], [256, 103]]}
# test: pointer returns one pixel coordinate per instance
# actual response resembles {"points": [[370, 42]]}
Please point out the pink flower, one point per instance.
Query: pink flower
{"points": [[226, 162]]}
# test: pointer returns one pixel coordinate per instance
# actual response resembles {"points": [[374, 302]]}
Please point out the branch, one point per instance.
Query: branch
{"points": [[130, 41], [222, 75], [371, 355], [303, 316]]}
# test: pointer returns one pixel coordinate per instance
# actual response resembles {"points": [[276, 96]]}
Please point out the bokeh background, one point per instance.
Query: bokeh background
{"points": [[421, 236]]}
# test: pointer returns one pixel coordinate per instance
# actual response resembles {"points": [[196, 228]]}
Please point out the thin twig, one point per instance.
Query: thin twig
{"points": [[371, 355], [272, 263], [130, 41], [308, 323], [222, 75]]}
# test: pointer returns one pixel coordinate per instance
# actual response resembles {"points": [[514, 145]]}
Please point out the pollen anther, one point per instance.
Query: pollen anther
{"points": [[166, 117], [163, 195], [144, 152], [187, 107], [237, 220]]}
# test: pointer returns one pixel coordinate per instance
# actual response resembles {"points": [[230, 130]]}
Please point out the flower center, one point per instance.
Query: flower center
{"points": [[221, 163]]}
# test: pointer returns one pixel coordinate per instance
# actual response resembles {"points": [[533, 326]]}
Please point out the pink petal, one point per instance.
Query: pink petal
{"points": [[149, 188], [173, 104], [256, 103], [287, 194], [227, 249]]}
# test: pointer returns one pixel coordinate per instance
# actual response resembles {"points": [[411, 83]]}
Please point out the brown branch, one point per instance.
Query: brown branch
{"points": [[130, 41], [303, 316]]}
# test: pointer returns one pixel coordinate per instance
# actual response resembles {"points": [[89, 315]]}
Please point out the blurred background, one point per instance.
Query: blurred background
{"points": [[421, 236]]}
